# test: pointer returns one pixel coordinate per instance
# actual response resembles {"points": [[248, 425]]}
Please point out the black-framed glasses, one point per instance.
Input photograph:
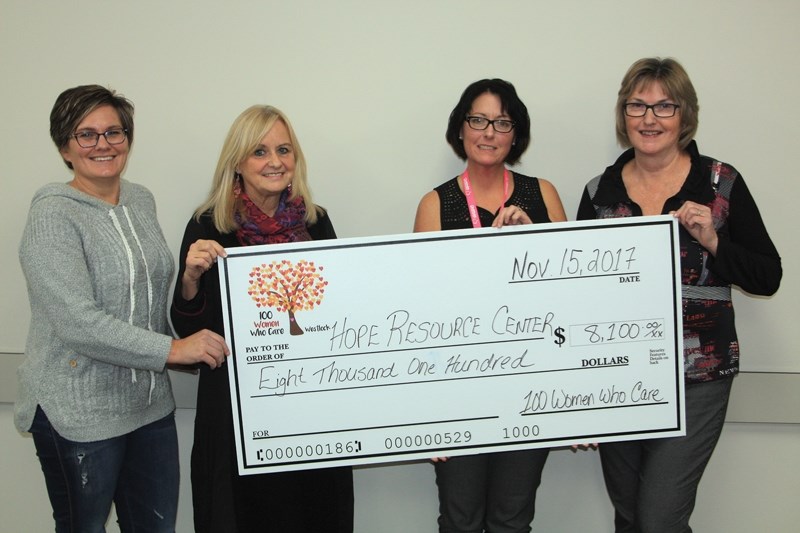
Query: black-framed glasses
{"points": [[89, 139], [500, 125], [638, 109]]}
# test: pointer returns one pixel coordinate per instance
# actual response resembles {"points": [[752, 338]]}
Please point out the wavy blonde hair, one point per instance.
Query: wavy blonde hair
{"points": [[244, 136]]}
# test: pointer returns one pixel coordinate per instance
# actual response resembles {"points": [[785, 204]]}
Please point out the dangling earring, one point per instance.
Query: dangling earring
{"points": [[237, 184]]}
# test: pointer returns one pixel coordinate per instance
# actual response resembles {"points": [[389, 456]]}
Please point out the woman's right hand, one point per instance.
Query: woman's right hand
{"points": [[205, 346], [200, 258], [511, 216]]}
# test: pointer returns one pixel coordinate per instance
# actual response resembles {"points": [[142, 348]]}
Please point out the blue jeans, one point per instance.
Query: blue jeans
{"points": [[653, 483], [138, 472], [492, 492]]}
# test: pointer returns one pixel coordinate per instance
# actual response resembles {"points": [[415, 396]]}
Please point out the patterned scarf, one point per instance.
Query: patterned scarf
{"points": [[288, 224]]}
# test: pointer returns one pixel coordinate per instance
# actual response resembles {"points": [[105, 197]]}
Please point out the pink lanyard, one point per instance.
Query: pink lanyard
{"points": [[473, 208]]}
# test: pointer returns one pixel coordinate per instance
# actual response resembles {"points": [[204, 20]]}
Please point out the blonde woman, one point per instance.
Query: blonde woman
{"points": [[259, 195]]}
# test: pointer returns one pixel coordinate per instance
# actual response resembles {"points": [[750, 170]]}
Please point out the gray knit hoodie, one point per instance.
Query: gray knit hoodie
{"points": [[98, 279]]}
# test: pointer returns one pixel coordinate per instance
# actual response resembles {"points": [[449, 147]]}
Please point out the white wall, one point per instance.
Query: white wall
{"points": [[369, 86]]}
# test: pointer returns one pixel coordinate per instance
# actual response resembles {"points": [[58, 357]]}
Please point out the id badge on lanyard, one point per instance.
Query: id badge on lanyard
{"points": [[471, 205]]}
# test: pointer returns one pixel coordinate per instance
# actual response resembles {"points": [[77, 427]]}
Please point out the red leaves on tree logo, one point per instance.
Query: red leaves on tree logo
{"points": [[288, 287]]}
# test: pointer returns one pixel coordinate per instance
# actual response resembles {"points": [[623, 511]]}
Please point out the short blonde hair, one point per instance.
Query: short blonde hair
{"points": [[675, 82], [244, 136]]}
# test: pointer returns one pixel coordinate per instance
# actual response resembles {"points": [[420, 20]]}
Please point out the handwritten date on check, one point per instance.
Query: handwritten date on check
{"points": [[407, 347]]}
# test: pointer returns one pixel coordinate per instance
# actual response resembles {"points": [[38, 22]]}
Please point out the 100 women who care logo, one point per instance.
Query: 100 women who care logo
{"points": [[288, 288]]}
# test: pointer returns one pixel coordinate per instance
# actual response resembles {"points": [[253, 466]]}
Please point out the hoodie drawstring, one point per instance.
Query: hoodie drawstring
{"points": [[132, 284]]}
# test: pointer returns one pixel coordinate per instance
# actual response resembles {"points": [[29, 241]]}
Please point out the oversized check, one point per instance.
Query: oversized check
{"points": [[404, 347]]}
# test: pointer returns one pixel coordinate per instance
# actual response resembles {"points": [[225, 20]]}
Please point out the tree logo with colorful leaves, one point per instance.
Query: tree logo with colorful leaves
{"points": [[288, 287]]}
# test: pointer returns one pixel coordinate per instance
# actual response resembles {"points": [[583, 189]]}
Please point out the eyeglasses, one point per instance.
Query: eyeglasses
{"points": [[500, 125], [636, 109], [89, 139]]}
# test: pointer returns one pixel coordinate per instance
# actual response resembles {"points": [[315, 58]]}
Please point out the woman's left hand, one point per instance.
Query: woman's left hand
{"points": [[511, 216], [699, 223]]}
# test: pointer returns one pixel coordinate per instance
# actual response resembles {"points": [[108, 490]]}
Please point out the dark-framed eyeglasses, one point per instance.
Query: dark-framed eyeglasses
{"points": [[638, 109], [500, 125], [89, 139]]}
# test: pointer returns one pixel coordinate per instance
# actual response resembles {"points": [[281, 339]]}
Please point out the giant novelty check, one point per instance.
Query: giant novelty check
{"points": [[404, 347]]}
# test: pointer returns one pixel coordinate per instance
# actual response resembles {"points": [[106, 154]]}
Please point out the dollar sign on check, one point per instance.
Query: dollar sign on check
{"points": [[561, 338]]}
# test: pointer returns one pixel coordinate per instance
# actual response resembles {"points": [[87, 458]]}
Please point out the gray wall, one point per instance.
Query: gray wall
{"points": [[368, 87]]}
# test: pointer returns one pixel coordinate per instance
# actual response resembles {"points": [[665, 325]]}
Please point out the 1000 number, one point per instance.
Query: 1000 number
{"points": [[521, 432]]}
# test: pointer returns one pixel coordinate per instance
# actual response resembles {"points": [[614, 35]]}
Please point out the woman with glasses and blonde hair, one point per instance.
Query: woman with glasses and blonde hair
{"points": [[259, 195], [94, 389], [653, 483], [489, 128]]}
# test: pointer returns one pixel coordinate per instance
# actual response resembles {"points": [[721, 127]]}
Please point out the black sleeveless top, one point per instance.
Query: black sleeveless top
{"points": [[454, 211]]}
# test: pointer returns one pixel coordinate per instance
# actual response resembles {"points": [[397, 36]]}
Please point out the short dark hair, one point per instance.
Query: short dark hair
{"points": [[511, 104], [73, 105], [675, 82]]}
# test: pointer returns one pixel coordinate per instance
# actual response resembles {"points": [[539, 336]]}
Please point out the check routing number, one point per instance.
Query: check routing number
{"points": [[379, 349]]}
